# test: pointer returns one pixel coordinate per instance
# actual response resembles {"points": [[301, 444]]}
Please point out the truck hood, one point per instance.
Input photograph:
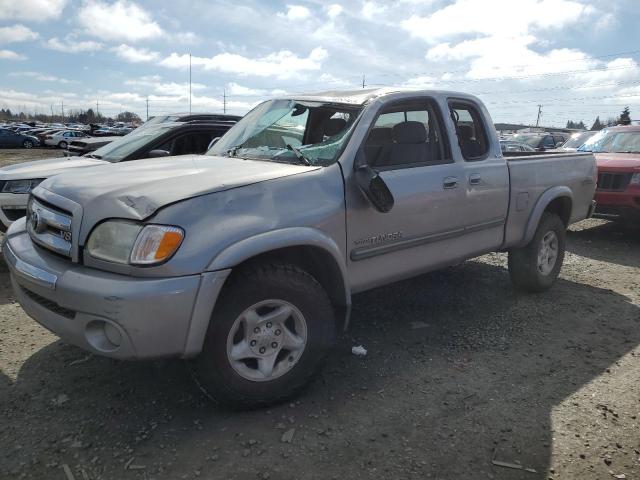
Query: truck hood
{"points": [[137, 189], [46, 168], [618, 161]]}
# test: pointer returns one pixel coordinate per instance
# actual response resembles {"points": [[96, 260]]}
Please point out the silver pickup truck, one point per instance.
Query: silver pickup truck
{"points": [[245, 259]]}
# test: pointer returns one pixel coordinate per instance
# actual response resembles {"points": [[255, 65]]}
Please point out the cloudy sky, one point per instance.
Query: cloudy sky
{"points": [[576, 58]]}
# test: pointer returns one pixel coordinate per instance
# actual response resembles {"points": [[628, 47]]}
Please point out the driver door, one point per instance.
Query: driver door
{"points": [[407, 145]]}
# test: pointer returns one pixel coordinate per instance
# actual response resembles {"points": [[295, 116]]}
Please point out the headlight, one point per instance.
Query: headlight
{"points": [[635, 179], [122, 241], [21, 186]]}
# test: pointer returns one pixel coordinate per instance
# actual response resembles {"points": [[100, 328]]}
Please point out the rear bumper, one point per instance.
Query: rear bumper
{"points": [[108, 314]]}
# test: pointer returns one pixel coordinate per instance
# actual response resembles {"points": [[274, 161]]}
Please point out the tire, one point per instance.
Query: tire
{"points": [[27, 144], [62, 145], [530, 274], [241, 384]]}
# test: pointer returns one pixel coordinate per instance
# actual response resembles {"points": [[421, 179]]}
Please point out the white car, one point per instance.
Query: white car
{"points": [[63, 138], [16, 181]]}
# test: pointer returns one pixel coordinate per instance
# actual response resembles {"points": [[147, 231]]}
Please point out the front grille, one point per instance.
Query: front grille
{"points": [[49, 304], [49, 226], [14, 214], [613, 182]]}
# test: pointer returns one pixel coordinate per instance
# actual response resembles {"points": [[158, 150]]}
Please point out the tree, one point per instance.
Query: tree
{"points": [[625, 117], [597, 125], [128, 117]]}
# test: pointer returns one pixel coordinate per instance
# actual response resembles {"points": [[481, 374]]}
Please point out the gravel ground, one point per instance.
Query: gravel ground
{"points": [[9, 156], [460, 371]]}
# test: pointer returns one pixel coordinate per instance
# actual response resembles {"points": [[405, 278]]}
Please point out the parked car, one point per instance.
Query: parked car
{"points": [[82, 146], [246, 258], [42, 135], [575, 141], [541, 141], [511, 146], [62, 138], [9, 138], [154, 140], [617, 152]]}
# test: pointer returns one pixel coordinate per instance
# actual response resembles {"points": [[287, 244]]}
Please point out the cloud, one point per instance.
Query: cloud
{"points": [[234, 89], [11, 55], [43, 77], [296, 12], [16, 33], [31, 10], [121, 20], [135, 55], [372, 9], [334, 10], [504, 18], [282, 64], [153, 83], [71, 45]]}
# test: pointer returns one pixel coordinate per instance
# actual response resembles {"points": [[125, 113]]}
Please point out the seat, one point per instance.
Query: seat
{"points": [[410, 145], [377, 144], [333, 126], [470, 147]]}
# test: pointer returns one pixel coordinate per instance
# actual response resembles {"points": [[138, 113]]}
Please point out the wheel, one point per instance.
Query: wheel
{"points": [[535, 267], [27, 144], [268, 336], [62, 144]]}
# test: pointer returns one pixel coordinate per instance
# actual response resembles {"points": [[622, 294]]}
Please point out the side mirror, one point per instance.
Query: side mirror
{"points": [[372, 185], [158, 153], [213, 142]]}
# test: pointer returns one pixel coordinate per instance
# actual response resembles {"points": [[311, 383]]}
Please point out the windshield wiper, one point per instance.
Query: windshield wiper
{"points": [[93, 155], [299, 155], [233, 151]]}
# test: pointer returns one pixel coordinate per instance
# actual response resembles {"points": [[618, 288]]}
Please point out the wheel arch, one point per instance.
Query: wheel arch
{"points": [[558, 200], [305, 247]]}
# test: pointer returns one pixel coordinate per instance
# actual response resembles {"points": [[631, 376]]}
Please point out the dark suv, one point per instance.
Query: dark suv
{"points": [[162, 136]]}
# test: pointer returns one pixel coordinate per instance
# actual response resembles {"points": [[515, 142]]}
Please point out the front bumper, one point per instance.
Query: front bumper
{"points": [[12, 207], [109, 314], [624, 204]]}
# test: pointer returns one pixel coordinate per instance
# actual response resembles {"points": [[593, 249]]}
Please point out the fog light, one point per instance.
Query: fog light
{"points": [[103, 336], [112, 334]]}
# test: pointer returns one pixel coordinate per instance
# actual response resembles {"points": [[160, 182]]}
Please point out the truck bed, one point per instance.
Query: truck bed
{"points": [[531, 174]]}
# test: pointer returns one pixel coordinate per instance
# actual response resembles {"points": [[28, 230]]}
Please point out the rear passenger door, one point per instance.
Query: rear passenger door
{"points": [[408, 146], [485, 178]]}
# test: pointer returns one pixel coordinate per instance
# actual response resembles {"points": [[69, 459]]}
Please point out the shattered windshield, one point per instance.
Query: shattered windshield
{"points": [[613, 142], [309, 133]]}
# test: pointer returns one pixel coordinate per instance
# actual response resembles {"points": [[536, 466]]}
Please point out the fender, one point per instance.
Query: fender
{"points": [[286, 237], [543, 202]]}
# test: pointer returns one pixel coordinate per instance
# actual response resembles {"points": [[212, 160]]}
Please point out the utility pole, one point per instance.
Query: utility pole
{"points": [[363, 84], [189, 83], [51, 105], [147, 108], [539, 115], [224, 100], [62, 108], [97, 109]]}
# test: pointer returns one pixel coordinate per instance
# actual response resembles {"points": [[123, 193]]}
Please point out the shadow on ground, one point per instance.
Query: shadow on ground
{"points": [[460, 370], [607, 242]]}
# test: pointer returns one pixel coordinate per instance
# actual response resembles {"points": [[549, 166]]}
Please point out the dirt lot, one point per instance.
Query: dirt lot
{"points": [[460, 371]]}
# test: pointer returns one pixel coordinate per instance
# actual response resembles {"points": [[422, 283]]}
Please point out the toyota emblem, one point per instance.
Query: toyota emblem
{"points": [[36, 225]]}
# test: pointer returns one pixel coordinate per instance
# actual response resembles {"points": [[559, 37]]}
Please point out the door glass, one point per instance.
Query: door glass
{"points": [[470, 130], [405, 136]]}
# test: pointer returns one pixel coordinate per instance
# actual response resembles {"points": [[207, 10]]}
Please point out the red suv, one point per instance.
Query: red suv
{"points": [[617, 152]]}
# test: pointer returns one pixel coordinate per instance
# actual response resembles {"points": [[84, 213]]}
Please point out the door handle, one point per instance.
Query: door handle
{"points": [[475, 179], [450, 182]]}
